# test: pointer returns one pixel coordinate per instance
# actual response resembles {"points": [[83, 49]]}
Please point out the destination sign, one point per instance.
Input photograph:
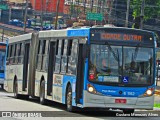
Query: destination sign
{"points": [[2, 47], [122, 36], [115, 36]]}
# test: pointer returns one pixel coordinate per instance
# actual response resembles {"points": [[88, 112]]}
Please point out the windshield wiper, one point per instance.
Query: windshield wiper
{"points": [[136, 52], [115, 55]]}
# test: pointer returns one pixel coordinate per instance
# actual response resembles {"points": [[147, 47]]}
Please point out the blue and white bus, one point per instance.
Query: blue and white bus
{"points": [[87, 67], [3, 47]]}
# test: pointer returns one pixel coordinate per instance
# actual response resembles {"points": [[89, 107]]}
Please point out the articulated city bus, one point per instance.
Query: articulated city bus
{"points": [[2, 62], [87, 67]]}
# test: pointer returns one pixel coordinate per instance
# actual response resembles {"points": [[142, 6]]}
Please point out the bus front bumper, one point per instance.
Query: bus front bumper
{"points": [[100, 101]]}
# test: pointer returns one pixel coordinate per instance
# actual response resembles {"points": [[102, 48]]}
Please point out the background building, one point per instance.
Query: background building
{"points": [[17, 1], [47, 5]]}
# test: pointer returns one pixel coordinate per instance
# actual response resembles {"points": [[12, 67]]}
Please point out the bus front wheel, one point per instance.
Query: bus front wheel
{"points": [[15, 90], [42, 93], [2, 86], [70, 108]]}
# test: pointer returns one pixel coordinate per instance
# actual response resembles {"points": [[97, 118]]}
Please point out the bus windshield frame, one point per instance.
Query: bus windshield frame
{"points": [[115, 61]]}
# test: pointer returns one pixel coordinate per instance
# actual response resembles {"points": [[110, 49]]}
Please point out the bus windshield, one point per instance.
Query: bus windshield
{"points": [[2, 61], [121, 64]]}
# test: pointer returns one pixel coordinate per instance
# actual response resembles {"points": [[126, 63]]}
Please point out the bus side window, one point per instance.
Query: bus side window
{"points": [[39, 55], [16, 56], [44, 55], [21, 54], [12, 54], [58, 57], [8, 54], [15, 50], [72, 59], [64, 56]]}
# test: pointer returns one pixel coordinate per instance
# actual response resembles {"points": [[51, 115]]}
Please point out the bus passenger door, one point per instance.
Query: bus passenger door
{"points": [[51, 66], [80, 75], [25, 66]]}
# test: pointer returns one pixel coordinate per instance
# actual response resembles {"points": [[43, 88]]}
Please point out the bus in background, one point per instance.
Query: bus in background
{"points": [[2, 62], [104, 67]]}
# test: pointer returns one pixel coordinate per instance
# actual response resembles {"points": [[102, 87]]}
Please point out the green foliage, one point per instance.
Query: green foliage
{"points": [[152, 8], [157, 105]]}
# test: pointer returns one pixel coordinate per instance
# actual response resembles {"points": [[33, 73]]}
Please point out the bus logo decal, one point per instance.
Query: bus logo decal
{"points": [[125, 79], [84, 32]]}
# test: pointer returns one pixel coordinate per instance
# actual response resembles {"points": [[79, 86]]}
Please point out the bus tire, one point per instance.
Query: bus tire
{"points": [[70, 108], [42, 93], [128, 111], [2, 86], [25, 97], [15, 90]]}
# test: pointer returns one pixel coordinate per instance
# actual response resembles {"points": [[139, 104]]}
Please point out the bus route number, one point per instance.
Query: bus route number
{"points": [[131, 93]]}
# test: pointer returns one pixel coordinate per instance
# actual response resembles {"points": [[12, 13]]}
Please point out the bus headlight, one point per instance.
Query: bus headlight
{"points": [[149, 92], [91, 89]]}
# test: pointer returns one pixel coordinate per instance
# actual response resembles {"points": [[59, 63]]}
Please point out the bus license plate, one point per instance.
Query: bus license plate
{"points": [[123, 101]]}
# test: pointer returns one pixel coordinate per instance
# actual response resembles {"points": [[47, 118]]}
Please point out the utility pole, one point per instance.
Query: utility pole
{"points": [[110, 11], [77, 8], [10, 12], [142, 14], [91, 6], [25, 15], [127, 13], [84, 5], [42, 9], [57, 10], [2, 34]]}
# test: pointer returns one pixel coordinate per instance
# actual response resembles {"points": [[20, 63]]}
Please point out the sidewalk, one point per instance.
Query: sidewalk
{"points": [[157, 91]]}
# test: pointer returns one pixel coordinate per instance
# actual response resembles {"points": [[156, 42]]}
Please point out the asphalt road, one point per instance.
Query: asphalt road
{"points": [[22, 109]]}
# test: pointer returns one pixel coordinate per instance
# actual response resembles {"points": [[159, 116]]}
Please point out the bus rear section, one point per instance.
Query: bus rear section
{"points": [[121, 69], [2, 63]]}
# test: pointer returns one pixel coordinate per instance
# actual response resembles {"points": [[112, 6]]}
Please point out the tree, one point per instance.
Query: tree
{"points": [[152, 8]]}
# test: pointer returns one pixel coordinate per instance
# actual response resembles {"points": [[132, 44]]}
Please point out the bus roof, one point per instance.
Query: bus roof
{"points": [[124, 28], [53, 33], [78, 32], [4, 43], [20, 38]]}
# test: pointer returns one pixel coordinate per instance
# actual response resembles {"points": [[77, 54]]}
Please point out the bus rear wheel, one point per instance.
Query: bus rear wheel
{"points": [[2, 86], [15, 90], [42, 93], [70, 108], [128, 111]]}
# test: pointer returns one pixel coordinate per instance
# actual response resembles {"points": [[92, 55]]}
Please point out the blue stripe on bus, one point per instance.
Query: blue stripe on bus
{"points": [[114, 91], [85, 74], [78, 32], [1, 75]]}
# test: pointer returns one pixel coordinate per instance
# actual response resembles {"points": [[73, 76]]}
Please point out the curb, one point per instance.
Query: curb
{"points": [[156, 109]]}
